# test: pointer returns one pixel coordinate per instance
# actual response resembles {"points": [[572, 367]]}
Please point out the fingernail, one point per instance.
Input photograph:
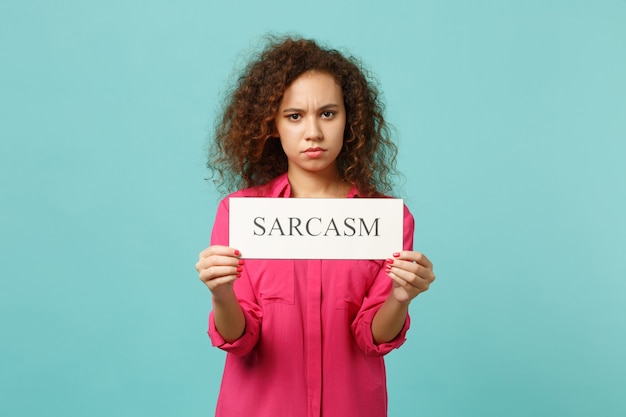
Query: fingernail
{"points": [[396, 254], [390, 261], [240, 262], [238, 275], [237, 253], [239, 269]]}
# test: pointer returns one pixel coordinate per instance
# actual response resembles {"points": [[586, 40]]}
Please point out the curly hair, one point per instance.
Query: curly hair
{"points": [[246, 152]]}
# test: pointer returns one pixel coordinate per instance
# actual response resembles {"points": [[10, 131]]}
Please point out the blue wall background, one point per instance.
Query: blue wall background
{"points": [[511, 119]]}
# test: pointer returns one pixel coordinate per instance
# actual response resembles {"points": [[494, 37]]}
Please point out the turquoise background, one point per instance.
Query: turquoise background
{"points": [[511, 120]]}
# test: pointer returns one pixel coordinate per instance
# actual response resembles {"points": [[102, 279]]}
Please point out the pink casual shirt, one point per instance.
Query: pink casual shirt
{"points": [[308, 348]]}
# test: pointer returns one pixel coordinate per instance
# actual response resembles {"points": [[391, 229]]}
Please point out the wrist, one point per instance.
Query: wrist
{"points": [[403, 303], [397, 305], [223, 295]]}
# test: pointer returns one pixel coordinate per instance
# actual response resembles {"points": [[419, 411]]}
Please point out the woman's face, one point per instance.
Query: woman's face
{"points": [[310, 122]]}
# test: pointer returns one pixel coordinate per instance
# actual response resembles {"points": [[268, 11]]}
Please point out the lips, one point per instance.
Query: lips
{"points": [[314, 152]]}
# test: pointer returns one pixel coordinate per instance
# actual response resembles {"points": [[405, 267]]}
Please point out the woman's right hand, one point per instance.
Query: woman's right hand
{"points": [[218, 267]]}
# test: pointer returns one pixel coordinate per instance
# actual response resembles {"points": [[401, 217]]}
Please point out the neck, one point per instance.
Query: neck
{"points": [[317, 185]]}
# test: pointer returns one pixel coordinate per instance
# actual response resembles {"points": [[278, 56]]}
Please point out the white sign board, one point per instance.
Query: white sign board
{"points": [[316, 228]]}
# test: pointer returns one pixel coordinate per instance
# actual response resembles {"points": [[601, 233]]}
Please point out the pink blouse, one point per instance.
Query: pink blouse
{"points": [[308, 348]]}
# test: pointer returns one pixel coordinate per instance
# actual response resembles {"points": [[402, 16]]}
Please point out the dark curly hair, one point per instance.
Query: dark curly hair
{"points": [[246, 152]]}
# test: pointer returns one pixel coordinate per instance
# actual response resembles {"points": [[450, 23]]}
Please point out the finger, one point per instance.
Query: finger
{"points": [[412, 268], [218, 260], [399, 281], [410, 278], [411, 272], [218, 272], [410, 289], [214, 283], [413, 256], [219, 250], [406, 265]]}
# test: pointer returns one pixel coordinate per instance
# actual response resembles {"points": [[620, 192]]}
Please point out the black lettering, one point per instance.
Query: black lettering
{"points": [[259, 225], [349, 226], [332, 226], [276, 226], [308, 223], [293, 226], [363, 225]]}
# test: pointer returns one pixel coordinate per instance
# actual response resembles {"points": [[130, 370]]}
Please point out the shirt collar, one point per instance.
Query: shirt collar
{"points": [[280, 187]]}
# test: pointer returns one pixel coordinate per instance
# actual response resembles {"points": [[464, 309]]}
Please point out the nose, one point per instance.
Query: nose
{"points": [[313, 129]]}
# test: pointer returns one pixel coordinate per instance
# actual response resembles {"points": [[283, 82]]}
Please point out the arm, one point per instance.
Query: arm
{"points": [[235, 322], [412, 274], [218, 268]]}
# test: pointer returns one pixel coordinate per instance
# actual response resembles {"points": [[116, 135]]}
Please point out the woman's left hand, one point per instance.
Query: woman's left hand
{"points": [[412, 274]]}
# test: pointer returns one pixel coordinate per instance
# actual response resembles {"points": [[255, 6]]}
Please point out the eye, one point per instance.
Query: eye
{"points": [[328, 114], [293, 116]]}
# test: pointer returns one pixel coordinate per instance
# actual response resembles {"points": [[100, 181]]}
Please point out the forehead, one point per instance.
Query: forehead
{"points": [[314, 85]]}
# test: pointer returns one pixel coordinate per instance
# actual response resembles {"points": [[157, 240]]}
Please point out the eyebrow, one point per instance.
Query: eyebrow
{"points": [[323, 108]]}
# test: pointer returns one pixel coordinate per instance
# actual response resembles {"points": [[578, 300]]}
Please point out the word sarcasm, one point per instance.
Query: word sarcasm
{"points": [[315, 226]]}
